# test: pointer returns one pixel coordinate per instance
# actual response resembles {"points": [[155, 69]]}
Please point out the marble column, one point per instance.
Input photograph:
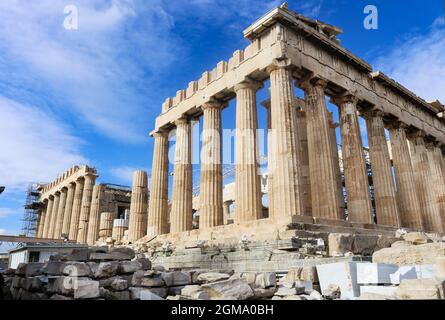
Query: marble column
{"points": [[226, 211], [437, 178], [85, 209], [285, 163], [182, 199], [77, 205], [406, 195], [41, 221], [68, 209], [46, 224], [106, 224], [247, 175], [211, 189], [60, 212], [157, 214], [432, 220], [93, 223], [138, 208], [354, 165], [336, 163], [325, 200], [55, 210], [382, 177]]}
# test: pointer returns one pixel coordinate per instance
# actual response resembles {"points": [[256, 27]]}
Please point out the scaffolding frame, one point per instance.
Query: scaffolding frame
{"points": [[33, 209]]}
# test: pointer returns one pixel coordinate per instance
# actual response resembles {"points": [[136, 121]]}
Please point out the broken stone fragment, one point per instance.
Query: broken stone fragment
{"points": [[105, 270], [232, 289], [113, 254], [283, 291], [86, 289], [421, 289], [29, 269], [212, 277], [60, 297], [265, 280], [261, 293], [119, 284], [35, 284], [114, 295], [340, 243], [332, 292], [129, 267], [416, 238]]}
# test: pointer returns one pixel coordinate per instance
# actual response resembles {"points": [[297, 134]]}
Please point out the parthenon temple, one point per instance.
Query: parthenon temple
{"points": [[290, 50], [305, 182]]}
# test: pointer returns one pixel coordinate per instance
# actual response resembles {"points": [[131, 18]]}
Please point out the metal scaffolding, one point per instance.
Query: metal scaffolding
{"points": [[32, 208]]}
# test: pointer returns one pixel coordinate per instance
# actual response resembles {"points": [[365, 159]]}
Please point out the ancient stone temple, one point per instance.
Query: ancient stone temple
{"points": [[305, 184], [73, 204]]}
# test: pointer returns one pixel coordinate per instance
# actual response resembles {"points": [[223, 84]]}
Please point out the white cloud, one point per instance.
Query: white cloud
{"points": [[35, 146], [419, 63]]}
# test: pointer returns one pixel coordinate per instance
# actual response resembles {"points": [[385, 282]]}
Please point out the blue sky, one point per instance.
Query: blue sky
{"points": [[91, 95]]}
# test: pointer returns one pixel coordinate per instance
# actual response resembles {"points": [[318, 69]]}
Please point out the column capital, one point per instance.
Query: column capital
{"points": [[160, 134], [397, 124], [181, 121], [312, 81], [416, 135], [212, 104], [248, 84], [373, 112], [347, 97], [279, 64]]}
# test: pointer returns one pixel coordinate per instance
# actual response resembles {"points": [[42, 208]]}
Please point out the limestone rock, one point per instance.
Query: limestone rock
{"points": [[145, 263], [113, 254], [190, 290], [129, 267], [340, 243], [410, 254], [177, 278], [300, 297], [283, 291], [293, 274], [86, 289], [212, 277], [149, 295], [374, 296], [416, 238], [421, 289], [261, 293], [29, 269], [440, 267], [106, 270], [34, 284], [54, 268], [114, 295], [76, 269], [233, 289], [265, 280], [332, 292], [309, 273], [62, 285], [364, 244], [315, 295], [303, 287], [119, 284]]}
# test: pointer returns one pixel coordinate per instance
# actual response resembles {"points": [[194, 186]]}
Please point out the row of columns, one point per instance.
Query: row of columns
{"points": [[409, 201], [69, 212]]}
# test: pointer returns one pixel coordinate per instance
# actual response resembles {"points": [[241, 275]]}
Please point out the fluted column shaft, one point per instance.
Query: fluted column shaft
{"points": [[157, 214], [41, 221], [182, 199], [266, 104], [247, 176], [85, 209], [285, 164], [382, 177], [46, 225], [211, 195], [406, 195], [68, 209], [336, 162], [138, 207], [106, 224], [325, 200], [60, 213], [77, 206], [93, 223], [432, 220], [438, 178], [354, 165], [55, 210]]}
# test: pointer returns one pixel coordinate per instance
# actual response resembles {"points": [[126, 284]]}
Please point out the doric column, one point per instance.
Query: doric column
{"points": [[285, 163], [247, 176], [336, 162], [77, 205], [60, 213], [406, 195], [431, 218], [42, 216], [382, 177], [226, 211], [106, 224], [182, 207], [325, 200], [119, 228], [138, 207], [46, 224], [354, 165], [157, 214], [211, 194], [437, 177], [85, 209], [68, 209], [52, 226], [93, 223]]}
